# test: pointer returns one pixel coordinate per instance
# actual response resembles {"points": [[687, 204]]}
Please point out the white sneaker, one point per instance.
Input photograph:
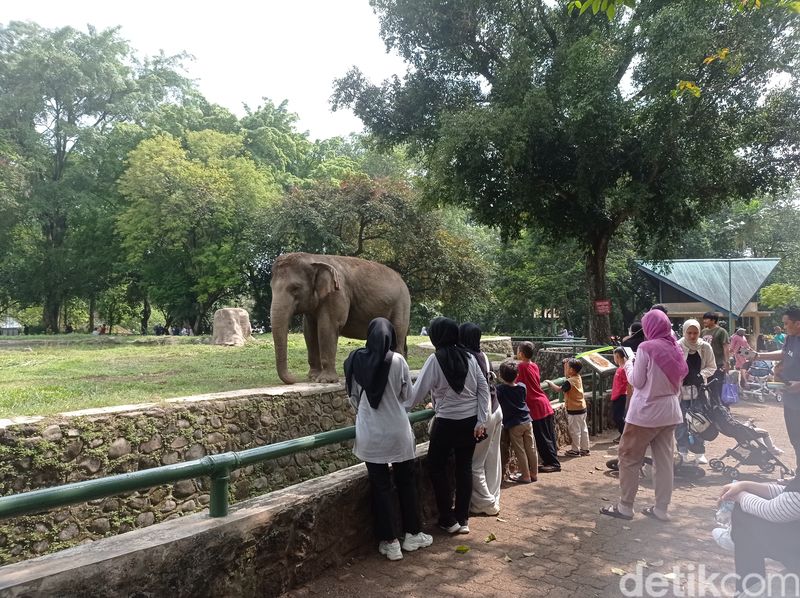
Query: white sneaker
{"points": [[452, 529], [722, 536], [391, 550], [684, 456], [420, 540], [688, 458], [464, 529], [702, 459]]}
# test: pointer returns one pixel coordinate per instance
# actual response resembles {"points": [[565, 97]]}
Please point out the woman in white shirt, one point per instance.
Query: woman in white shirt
{"points": [[461, 400], [378, 384]]}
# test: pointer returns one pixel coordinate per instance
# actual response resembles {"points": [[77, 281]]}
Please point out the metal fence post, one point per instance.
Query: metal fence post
{"points": [[218, 506]]}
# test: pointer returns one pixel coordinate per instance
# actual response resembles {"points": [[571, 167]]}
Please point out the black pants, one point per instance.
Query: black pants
{"points": [[383, 501], [544, 433], [456, 436], [756, 539], [618, 412], [791, 415], [715, 383]]}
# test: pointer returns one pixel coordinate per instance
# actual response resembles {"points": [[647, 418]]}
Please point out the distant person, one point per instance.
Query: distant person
{"points": [[96, 331], [716, 336], [619, 392], [542, 414], [575, 404], [517, 421], [424, 331], [379, 387], [564, 333], [741, 350], [779, 337], [68, 329]]}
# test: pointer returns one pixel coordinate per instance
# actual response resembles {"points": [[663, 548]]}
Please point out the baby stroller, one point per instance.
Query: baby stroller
{"points": [[760, 373], [750, 447]]}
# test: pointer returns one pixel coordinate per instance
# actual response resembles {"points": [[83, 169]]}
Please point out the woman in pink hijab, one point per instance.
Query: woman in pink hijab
{"points": [[656, 374]]}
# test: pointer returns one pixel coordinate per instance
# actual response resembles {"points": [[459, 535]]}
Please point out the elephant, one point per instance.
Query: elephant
{"points": [[337, 295]]}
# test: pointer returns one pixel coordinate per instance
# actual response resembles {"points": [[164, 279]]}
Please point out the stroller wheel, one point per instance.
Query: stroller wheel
{"points": [[716, 465], [779, 397], [731, 472], [613, 464], [767, 467]]}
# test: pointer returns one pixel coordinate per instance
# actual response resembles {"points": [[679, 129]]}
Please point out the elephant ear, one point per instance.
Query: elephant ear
{"points": [[326, 279]]}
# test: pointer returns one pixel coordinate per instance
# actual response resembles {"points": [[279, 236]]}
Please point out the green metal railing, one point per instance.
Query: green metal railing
{"points": [[218, 467]]}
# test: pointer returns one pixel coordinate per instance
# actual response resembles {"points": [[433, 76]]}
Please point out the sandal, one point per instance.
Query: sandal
{"points": [[612, 511], [651, 513]]}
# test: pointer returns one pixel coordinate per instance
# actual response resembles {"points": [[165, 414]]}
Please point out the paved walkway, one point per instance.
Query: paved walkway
{"points": [[551, 540]]}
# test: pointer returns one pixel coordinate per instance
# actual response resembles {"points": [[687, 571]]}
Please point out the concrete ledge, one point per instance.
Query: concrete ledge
{"points": [[265, 546]]}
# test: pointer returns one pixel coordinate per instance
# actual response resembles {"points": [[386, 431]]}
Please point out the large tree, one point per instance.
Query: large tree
{"points": [[572, 126], [187, 230], [60, 91]]}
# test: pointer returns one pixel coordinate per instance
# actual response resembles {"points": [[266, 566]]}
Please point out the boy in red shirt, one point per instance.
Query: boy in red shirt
{"points": [[619, 391], [544, 429]]}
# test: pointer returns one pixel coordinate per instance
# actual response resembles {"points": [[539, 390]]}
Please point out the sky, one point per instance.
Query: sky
{"points": [[244, 51]]}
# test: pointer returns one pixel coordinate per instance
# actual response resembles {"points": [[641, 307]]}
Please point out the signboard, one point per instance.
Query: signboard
{"points": [[602, 307]]}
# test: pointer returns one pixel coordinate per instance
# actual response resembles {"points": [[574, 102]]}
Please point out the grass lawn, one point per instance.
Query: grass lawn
{"points": [[46, 375]]}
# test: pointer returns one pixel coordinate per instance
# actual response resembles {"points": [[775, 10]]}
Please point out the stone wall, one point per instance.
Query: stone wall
{"points": [[49, 451], [265, 546]]}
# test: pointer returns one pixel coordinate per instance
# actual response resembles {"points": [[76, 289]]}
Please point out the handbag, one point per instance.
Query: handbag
{"points": [[730, 393]]}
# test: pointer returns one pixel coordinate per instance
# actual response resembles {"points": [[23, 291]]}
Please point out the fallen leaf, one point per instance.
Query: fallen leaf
{"points": [[507, 558], [461, 549], [490, 538], [501, 520], [670, 576], [657, 563], [598, 468], [626, 527], [642, 563], [527, 554], [637, 539], [617, 571], [605, 498]]}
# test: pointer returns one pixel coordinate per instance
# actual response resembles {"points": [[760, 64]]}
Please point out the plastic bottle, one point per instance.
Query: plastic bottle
{"points": [[723, 516]]}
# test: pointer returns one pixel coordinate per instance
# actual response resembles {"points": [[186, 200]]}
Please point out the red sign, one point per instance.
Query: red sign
{"points": [[602, 307]]}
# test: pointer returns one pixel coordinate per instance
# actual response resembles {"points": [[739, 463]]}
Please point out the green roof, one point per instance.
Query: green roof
{"points": [[726, 285]]}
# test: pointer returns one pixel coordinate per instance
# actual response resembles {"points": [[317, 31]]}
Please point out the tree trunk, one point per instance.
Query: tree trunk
{"points": [[600, 325], [146, 311], [51, 314], [92, 306]]}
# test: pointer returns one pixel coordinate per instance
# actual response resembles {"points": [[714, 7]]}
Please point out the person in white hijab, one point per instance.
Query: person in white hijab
{"points": [[700, 358]]}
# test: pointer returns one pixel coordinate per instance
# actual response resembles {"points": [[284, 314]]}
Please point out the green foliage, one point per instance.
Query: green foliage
{"points": [[780, 295], [188, 226], [518, 111]]}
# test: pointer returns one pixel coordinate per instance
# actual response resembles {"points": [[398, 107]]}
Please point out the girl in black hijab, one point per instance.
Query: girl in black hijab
{"points": [[384, 436], [487, 471], [460, 397], [635, 338]]}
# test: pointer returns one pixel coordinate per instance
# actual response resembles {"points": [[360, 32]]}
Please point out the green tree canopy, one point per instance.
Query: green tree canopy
{"points": [[188, 228], [538, 119], [60, 90]]}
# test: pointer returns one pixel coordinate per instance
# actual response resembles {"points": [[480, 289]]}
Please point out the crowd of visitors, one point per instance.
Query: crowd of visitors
{"points": [[480, 418]]}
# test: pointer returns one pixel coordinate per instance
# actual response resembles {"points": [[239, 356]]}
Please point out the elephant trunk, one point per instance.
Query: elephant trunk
{"points": [[279, 320]]}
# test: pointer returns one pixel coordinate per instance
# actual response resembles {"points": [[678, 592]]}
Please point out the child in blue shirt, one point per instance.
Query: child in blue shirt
{"points": [[517, 420]]}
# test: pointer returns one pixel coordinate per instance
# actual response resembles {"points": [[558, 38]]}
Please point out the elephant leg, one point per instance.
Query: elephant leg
{"points": [[312, 346], [328, 339]]}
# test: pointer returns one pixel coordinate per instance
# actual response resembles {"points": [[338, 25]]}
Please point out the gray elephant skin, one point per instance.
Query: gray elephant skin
{"points": [[337, 296]]}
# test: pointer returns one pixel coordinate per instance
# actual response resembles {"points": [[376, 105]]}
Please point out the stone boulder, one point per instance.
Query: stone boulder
{"points": [[231, 327]]}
